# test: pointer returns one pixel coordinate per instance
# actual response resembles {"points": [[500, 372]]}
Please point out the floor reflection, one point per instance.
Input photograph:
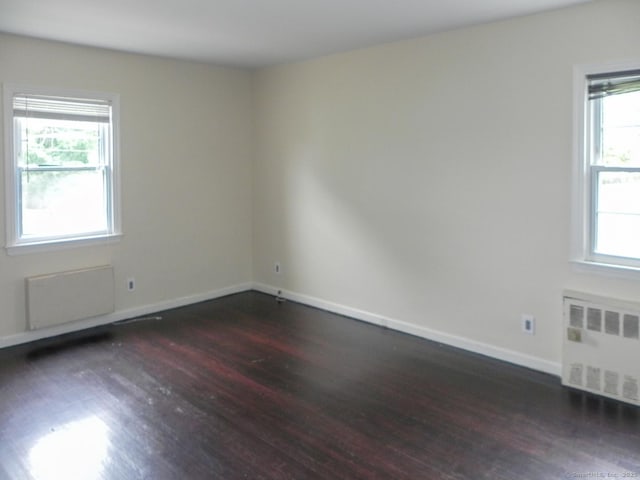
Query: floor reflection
{"points": [[76, 450]]}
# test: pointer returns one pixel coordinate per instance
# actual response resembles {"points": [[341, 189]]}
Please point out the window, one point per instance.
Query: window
{"points": [[61, 178], [609, 168]]}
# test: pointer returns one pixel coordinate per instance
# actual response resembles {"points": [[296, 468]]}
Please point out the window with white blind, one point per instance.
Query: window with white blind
{"points": [[609, 168], [61, 167]]}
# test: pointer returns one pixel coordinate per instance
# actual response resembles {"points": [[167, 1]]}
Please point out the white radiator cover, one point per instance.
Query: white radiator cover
{"points": [[65, 297], [601, 346]]}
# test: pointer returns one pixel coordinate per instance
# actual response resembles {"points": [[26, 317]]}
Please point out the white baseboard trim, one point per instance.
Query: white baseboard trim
{"points": [[492, 351], [34, 335]]}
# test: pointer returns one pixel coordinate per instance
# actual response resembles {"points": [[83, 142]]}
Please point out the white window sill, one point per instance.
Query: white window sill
{"points": [[54, 245], [606, 269]]}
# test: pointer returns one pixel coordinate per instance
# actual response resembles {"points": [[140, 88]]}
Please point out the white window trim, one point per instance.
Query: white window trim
{"points": [[13, 245], [581, 258]]}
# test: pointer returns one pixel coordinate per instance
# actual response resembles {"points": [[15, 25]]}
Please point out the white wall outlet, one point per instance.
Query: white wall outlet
{"points": [[131, 284], [277, 268], [528, 324]]}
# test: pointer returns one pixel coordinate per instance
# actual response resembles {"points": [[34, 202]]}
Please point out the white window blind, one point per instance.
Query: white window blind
{"points": [[86, 110], [603, 85]]}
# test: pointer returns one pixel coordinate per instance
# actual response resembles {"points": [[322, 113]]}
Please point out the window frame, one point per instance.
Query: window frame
{"points": [[14, 243], [584, 180]]}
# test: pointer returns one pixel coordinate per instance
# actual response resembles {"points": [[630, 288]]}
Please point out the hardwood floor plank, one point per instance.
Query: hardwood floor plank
{"points": [[245, 387]]}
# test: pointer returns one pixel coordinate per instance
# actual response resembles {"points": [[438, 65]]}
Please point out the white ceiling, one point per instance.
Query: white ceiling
{"points": [[250, 33]]}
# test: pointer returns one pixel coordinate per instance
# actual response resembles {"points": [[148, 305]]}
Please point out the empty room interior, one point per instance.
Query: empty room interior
{"points": [[320, 239]]}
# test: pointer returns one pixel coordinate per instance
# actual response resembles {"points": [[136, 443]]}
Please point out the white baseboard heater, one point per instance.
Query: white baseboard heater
{"points": [[601, 347], [65, 297]]}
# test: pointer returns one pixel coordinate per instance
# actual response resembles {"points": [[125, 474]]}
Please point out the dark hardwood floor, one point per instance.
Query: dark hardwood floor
{"points": [[245, 387]]}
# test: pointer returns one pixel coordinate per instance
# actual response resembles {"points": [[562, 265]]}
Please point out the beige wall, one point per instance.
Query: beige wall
{"points": [[186, 170], [428, 181]]}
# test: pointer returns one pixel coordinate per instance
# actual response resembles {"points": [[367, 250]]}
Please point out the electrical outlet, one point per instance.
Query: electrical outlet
{"points": [[131, 284], [277, 268], [528, 324]]}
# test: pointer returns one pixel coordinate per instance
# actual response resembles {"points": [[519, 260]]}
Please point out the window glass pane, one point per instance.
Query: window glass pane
{"points": [[47, 142], [621, 130], [618, 214], [63, 203]]}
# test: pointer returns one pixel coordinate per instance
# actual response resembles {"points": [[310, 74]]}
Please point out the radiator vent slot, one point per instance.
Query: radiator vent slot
{"points": [[612, 323], [601, 346], [64, 297], [631, 326]]}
